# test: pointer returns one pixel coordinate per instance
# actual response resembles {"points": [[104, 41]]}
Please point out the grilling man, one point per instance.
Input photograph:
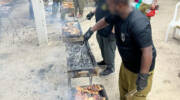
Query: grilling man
{"points": [[79, 7], [135, 45], [105, 38]]}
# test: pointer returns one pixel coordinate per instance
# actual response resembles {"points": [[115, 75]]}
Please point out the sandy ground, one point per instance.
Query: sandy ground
{"points": [[39, 73]]}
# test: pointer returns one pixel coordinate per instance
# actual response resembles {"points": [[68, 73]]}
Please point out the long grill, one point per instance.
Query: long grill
{"points": [[81, 63], [80, 60]]}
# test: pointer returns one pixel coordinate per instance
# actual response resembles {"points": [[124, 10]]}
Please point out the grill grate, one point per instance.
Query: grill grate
{"points": [[101, 93], [79, 57]]}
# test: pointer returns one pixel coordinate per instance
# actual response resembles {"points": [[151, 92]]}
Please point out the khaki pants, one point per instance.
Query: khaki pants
{"points": [[144, 7], [127, 83]]}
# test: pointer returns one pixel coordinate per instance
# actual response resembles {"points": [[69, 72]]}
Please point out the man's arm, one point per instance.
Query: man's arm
{"points": [[146, 59], [143, 38], [99, 25]]}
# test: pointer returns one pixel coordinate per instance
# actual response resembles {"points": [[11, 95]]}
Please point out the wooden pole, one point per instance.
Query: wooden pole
{"points": [[40, 21]]}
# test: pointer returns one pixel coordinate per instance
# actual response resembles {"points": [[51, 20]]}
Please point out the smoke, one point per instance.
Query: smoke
{"points": [[15, 22], [27, 71]]}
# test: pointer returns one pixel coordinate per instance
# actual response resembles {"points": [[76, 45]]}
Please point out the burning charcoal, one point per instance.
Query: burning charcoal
{"points": [[78, 56], [92, 92]]}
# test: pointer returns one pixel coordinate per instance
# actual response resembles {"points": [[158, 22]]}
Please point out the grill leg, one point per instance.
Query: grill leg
{"points": [[69, 83], [69, 88], [90, 80]]}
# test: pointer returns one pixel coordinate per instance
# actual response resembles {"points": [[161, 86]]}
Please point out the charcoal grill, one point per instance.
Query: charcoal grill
{"points": [[83, 70], [102, 93], [67, 7], [87, 66], [80, 70], [68, 37]]}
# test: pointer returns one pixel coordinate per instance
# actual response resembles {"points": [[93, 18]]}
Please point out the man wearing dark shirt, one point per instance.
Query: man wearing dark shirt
{"points": [[135, 45], [105, 37]]}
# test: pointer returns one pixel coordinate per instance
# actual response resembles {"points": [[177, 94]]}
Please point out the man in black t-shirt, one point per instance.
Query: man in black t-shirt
{"points": [[135, 45], [105, 37]]}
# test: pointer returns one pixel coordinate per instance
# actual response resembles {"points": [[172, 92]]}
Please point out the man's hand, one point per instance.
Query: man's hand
{"points": [[142, 81], [88, 34], [99, 25], [153, 6], [90, 15]]}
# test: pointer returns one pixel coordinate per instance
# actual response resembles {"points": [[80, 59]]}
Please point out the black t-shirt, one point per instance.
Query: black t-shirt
{"points": [[132, 34], [101, 12]]}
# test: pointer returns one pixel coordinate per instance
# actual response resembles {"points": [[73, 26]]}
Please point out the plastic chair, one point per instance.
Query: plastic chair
{"points": [[175, 24]]}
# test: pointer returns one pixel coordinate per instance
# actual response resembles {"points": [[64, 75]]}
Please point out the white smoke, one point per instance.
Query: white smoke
{"points": [[27, 71]]}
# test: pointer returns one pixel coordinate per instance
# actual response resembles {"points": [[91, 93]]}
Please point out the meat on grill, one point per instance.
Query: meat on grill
{"points": [[89, 93], [71, 28]]}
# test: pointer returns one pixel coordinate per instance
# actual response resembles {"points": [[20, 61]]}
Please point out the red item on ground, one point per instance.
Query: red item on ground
{"points": [[151, 13]]}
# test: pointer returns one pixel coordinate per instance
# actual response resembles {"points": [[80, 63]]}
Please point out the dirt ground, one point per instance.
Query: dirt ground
{"points": [[38, 73]]}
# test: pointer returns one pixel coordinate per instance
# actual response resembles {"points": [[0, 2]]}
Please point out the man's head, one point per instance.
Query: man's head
{"points": [[119, 7]]}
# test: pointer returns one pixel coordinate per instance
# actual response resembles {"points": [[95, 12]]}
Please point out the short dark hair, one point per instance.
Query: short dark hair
{"points": [[122, 1]]}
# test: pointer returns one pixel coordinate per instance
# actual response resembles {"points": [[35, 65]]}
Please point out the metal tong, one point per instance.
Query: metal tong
{"points": [[129, 95]]}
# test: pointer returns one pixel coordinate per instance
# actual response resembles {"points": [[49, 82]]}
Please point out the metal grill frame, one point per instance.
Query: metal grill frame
{"points": [[80, 72]]}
